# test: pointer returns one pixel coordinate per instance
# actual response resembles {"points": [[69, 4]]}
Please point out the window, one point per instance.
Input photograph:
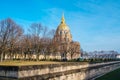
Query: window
{"points": [[60, 32]]}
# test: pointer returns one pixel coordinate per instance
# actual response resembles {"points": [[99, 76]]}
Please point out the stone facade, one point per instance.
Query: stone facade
{"points": [[63, 37], [63, 71]]}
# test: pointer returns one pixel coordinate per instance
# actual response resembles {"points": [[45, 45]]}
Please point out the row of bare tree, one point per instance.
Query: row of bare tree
{"points": [[14, 41], [38, 40]]}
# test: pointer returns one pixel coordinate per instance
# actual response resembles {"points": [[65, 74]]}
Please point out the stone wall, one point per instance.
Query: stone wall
{"points": [[63, 71]]}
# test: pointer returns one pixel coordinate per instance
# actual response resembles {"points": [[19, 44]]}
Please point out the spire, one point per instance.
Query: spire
{"points": [[63, 19]]}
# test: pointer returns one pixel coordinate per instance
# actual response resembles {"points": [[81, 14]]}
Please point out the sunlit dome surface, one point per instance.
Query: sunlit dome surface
{"points": [[63, 25]]}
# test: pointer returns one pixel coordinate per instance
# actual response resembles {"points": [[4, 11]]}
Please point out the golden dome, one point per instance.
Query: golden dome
{"points": [[63, 25]]}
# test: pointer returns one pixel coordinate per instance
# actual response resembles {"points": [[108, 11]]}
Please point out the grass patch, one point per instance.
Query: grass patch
{"points": [[24, 63], [114, 75]]}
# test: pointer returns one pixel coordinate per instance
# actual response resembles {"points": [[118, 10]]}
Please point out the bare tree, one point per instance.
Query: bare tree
{"points": [[9, 33], [12, 40], [54, 48], [15, 34], [36, 30], [51, 48], [51, 33], [74, 48], [26, 46], [64, 49]]}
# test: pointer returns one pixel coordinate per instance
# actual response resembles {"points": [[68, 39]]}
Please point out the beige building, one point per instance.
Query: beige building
{"points": [[68, 49]]}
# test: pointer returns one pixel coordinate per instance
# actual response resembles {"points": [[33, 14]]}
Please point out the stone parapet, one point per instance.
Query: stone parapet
{"points": [[63, 71]]}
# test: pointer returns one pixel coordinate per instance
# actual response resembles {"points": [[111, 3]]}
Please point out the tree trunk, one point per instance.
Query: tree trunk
{"points": [[45, 56], [37, 57], [1, 57], [25, 55], [71, 56]]}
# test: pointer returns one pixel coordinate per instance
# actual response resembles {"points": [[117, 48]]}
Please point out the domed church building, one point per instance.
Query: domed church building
{"points": [[68, 49]]}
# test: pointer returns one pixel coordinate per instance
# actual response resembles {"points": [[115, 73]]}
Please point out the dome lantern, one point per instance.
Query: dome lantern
{"points": [[63, 19]]}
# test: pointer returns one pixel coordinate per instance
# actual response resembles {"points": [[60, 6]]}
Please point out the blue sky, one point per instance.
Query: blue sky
{"points": [[94, 23]]}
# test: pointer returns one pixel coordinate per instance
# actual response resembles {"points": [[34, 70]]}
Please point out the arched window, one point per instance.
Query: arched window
{"points": [[60, 32]]}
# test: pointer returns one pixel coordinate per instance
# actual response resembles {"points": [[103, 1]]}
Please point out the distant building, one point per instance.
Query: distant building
{"points": [[118, 56], [67, 47], [101, 55]]}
